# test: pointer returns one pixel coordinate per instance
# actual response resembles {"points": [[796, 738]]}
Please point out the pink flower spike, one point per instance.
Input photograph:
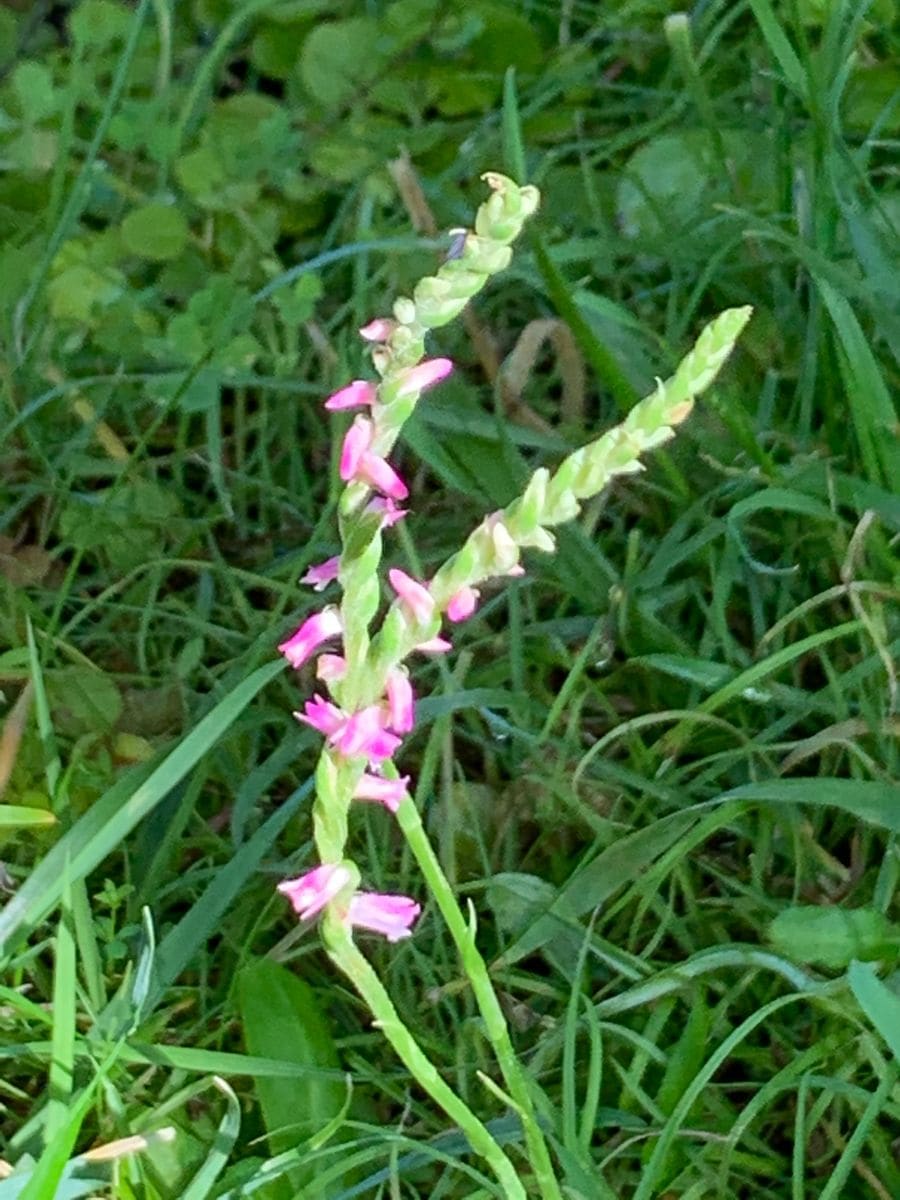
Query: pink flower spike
{"points": [[424, 375], [388, 792], [401, 701], [392, 916], [415, 595], [387, 509], [315, 629], [356, 443], [435, 645], [462, 603], [358, 394], [330, 667], [320, 575], [322, 715], [378, 330], [311, 892]]}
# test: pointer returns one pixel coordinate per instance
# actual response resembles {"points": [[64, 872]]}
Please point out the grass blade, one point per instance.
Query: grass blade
{"points": [[880, 1005], [117, 812], [872, 411], [62, 1063], [226, 1136]]}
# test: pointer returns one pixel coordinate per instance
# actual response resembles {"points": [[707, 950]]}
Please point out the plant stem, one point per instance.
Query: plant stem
{"points": [[485, 997], [348, 958]]}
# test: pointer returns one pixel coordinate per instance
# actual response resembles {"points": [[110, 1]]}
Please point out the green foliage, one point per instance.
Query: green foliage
{"points": [[283, 1020], [662, 767], [833, 937]]}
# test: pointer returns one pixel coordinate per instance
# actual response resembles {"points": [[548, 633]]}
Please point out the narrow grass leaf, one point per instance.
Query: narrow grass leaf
{"points": [[52, 764], [872, 411], [115, 814], [835, 1188], [73, 1185], [62, 1062], [20, 816], [747, 680], [782, 50], [604, 362], [226, 1136], [513, 146], [51, 1166], [871, 801], [880, 1005], [650, 1178]]}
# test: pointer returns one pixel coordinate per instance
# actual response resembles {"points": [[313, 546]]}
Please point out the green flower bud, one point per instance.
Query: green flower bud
{"points": [[486, 255], [434, 313], [526, 512], [405, 310]]}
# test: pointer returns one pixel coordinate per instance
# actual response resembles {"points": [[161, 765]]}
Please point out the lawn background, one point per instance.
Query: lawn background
{"points": [[663, 767]]}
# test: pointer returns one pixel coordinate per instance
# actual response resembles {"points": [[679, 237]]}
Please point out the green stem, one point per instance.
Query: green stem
{"points": [[348, 958], [485, 997]]}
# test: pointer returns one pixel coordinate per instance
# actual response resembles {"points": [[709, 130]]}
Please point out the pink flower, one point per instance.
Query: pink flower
{"points": [[315, 629], [378, 330], [391, 916], [401, 701], [358, 462], [323, 716], [320, 575], [356, 444], [311, 892], [364, 733], [435, 645], [358, 394], [462, 603], [330, 667], [356, 735], [388, 792], [387, 509], [425, 374], [415, 595]]}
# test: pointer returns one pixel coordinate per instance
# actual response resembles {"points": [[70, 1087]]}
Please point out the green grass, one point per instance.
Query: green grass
{"points": [[654, 766]]}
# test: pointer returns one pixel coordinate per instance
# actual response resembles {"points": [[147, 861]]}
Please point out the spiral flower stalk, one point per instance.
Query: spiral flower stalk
{"points": [[371, 703]]}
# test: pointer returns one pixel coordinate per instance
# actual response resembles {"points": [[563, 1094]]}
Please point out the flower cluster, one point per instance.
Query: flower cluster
{"points": [[371, 733], [370, 704], [369, 710]]}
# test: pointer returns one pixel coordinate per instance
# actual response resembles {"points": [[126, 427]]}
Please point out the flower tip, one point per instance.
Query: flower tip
{"points": [[401, 701], [378, 330], [315, 629], [391, 916], [357, 394], [435, 645], [387, 510], [462, 604], [388, 792], [330, 667], [424, 375], [413, 594], [321, 574], [356, 442], [310, 893]]}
